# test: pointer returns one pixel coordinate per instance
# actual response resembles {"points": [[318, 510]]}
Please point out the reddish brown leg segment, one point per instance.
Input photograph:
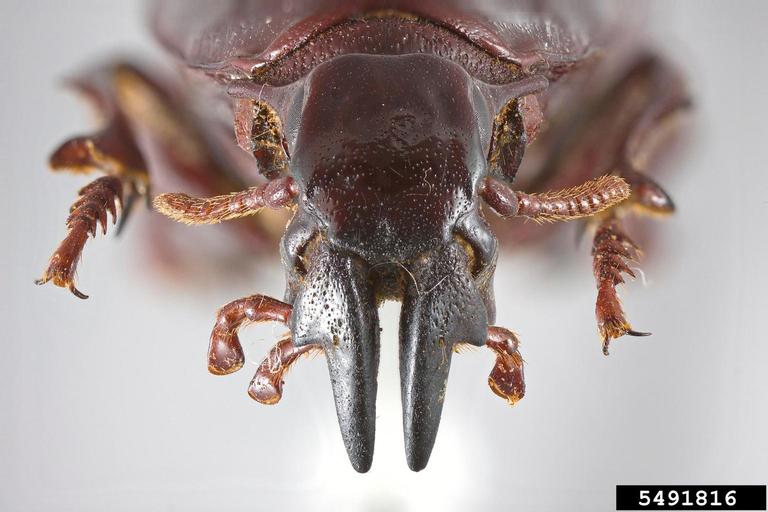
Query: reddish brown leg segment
{"points": [[225, 354], [611, 250], [278, 193], [267, 385], [95, 200], [506, 379], [587, 199], [647, 196]]}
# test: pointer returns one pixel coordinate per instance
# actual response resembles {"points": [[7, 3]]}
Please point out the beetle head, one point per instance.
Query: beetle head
{"points": [[387, 158]]}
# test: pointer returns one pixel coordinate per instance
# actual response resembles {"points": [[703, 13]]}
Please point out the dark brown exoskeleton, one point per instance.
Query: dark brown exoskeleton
{"points": [[384, 126]]}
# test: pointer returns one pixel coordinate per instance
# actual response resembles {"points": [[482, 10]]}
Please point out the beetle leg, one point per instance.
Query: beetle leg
{"points": [[225, 354], [188, 149], [278, 193], [507, 378], [112, 151], [267, 385], [95, 200], [648, 198], [624, 130], [611, 250], [146, 124], [585, 200]]}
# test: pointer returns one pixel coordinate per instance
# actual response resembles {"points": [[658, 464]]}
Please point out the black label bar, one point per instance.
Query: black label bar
{"points": [[690, 497]]}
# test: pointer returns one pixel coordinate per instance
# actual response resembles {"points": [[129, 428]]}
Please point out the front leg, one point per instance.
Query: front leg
{"points": [[225, 353], [267, 385], [507, 379]]}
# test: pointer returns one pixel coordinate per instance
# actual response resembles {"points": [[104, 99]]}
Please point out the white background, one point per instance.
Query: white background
{"points": [[105, 404]]}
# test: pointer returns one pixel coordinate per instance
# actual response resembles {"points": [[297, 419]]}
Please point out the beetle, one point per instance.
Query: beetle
{"points": [[386, 128]]}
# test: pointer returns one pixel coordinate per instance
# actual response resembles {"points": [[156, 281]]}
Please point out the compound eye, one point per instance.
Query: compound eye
{"points": [[510, 138], [259, 131], [515, 126]]}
